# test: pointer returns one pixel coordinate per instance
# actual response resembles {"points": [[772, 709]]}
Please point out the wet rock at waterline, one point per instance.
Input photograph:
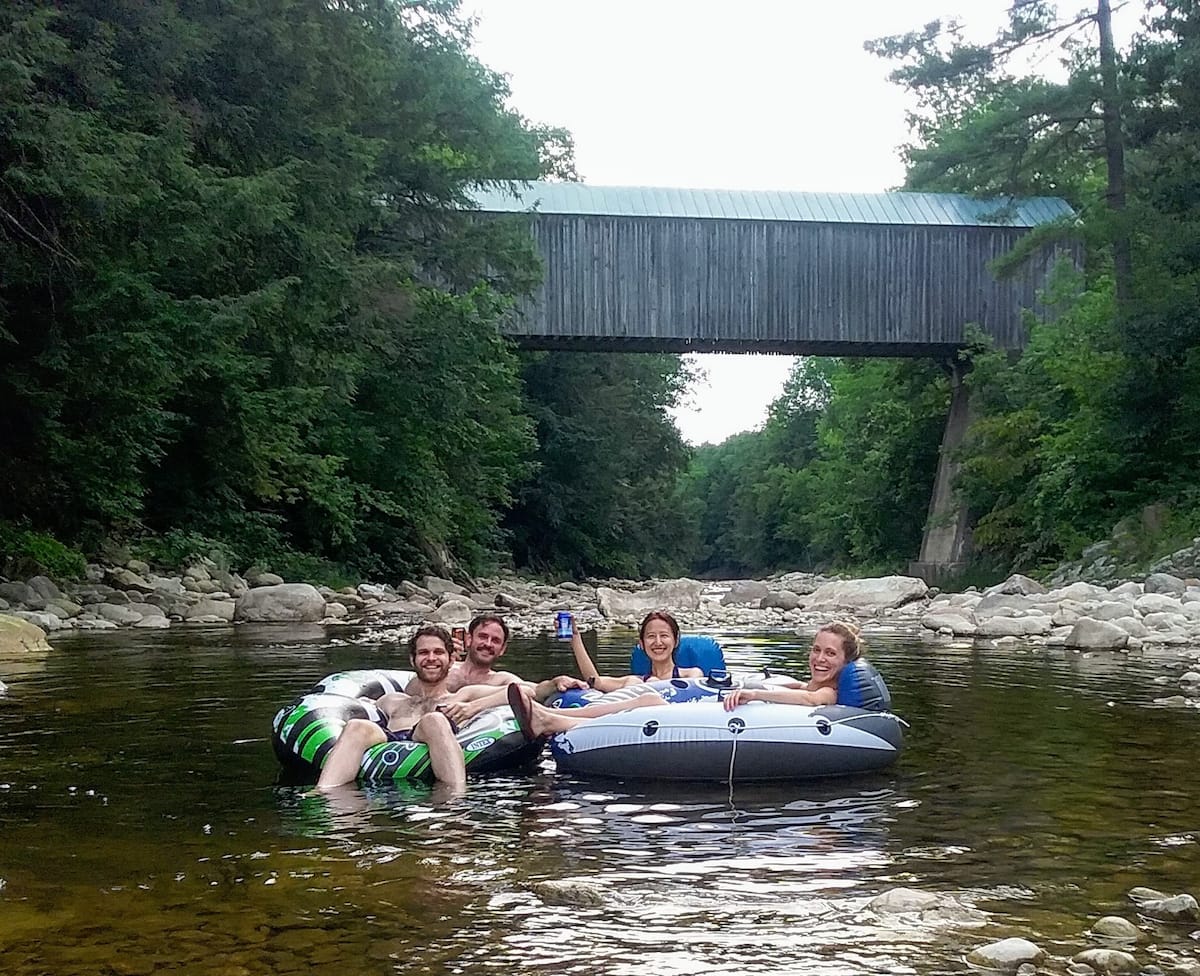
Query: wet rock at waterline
{"points": [[281, 603], [1007, 955], [1179, 908], [1115, 927], [19, 637], [929, 907], [576, 894], [1097, 635], [1108, 962]]}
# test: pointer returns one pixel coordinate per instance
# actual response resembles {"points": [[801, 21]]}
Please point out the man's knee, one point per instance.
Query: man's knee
{"points": [[363, 731], [435, 725]]}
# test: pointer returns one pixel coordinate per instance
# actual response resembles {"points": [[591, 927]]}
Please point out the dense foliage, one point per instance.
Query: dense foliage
{"points": [[840, 474], [608, 462]]}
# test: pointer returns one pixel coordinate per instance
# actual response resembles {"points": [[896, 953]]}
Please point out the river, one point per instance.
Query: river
{"points": [[143, 828]]}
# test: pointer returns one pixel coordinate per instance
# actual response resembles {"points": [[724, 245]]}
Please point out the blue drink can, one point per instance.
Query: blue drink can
{"points": [[562, 625]]}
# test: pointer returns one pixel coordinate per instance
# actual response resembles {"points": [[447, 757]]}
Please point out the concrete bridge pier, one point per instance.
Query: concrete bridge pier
{"points": [[946, 543]]}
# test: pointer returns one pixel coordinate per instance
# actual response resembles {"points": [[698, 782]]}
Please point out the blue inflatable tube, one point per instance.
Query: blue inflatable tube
{"points": [[694, 651]]}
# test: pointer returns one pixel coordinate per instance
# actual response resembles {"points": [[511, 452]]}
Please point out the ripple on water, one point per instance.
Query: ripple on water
{"points": [[143, 826]]}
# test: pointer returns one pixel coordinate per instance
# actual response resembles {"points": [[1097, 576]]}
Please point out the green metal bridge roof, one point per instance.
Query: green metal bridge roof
{"points": [[914, 209]]}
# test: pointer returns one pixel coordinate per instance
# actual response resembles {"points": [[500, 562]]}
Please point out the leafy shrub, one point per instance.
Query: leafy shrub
{"points": [[25, 553]]}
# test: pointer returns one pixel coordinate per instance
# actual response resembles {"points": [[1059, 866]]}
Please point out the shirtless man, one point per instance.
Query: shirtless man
{"points": [[487, 640], [425, 712]]}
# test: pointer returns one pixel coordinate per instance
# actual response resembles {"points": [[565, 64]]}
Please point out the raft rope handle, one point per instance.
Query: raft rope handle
{"points": [[732, 757], [856, 718]]}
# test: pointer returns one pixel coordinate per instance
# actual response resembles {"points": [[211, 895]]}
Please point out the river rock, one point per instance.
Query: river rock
{"points": [[1096, 635], [679, 594], [46, 588], [1082, 592], [118, 615], [127, 579], [169, 585], [21, 636], [780, 600], [904, 900], [457, 613], [1006, 955], [260, 578], [1157, 603], [1109, 610], [336, 611], [42, 618], [958, 625], [1033, 625], [1107, 961], [1115, 927], [1019, 585], [1132, 626], [745, 591], [1165, 583], [280, 603], [507, 601], [437, 586], [221, 609], [576, 894], [1179, 908], [155, 621], [22, 594], [882, 593]]}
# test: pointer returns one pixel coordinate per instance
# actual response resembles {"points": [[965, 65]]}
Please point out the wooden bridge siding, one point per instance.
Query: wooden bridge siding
{"points": [[774, 281]]}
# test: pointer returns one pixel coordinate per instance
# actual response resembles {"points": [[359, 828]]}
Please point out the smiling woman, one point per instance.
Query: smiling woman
{"points": [[834, 646]]}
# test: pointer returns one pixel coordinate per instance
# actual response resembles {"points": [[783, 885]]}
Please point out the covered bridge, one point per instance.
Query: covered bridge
{"points": [[849, 274]]}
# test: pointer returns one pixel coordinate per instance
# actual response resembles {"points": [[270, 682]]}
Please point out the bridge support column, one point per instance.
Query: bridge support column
{"points": [[947, 539]]}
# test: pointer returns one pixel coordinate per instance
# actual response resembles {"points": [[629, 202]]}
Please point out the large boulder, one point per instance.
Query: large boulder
{"points": [[1097, 635], [1155, 583], [280, 603], [19, 636], [882, 593], [22, 594], [680, 594], [437, 586], [745, 591]]}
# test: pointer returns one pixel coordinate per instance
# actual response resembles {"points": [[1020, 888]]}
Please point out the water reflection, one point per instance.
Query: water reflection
{"points": [[145, 827]]}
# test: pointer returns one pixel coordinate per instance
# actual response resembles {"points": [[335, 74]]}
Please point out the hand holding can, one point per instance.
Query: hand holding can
{"points": [[564, 625], [458, 637]]}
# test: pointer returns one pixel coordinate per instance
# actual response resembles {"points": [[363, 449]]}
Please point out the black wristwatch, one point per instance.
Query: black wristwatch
{"points": [[592, 680]]}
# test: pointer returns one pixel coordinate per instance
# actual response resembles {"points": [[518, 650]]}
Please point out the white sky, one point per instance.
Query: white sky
{"points": [[759, 94]]}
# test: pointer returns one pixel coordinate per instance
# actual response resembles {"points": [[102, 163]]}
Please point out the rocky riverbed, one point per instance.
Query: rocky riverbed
{"points": [[1160, 611]]}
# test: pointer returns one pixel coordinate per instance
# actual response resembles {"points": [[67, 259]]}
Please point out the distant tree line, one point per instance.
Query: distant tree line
{"points": [[1101, 414], [243, 312]]}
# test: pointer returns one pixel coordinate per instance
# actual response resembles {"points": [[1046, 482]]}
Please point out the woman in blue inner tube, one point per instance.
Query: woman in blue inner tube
{"points": [[659, 638], [834, 645]]}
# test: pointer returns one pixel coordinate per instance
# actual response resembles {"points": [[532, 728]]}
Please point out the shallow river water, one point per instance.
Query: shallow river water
{"points": [[143, 828]]}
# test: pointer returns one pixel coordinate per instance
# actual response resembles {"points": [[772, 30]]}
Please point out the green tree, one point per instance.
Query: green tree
{"points": [[604, 498]]}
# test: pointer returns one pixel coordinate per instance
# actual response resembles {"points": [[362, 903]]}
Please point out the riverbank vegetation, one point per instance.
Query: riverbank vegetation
{"points": [[242, 312], [1099, 417]]}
